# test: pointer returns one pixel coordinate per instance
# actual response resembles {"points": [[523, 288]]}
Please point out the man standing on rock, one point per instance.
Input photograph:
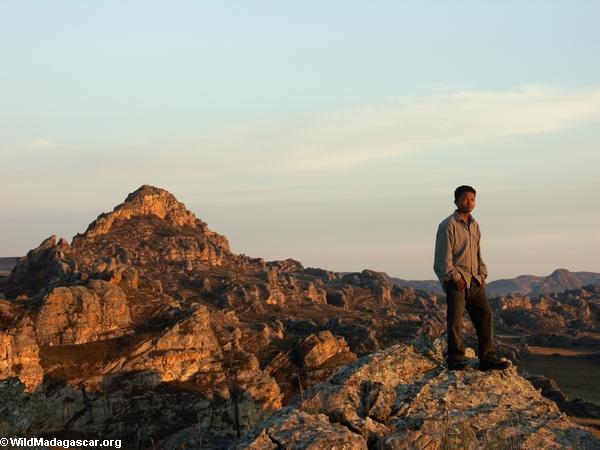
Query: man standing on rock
{"points": [[462, 273]]}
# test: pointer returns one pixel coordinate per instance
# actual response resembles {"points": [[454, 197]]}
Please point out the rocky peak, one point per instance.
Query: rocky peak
{"points": [[147, 200], [151, 234], [562, 275], [150, 229], [557, 281]]}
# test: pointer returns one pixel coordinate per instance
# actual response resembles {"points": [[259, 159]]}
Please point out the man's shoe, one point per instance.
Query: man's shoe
{"points": [[494, 364], [457, 365]]}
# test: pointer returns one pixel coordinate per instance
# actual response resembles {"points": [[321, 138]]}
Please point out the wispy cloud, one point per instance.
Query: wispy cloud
{"points": [[398, 125], [42, 143]]}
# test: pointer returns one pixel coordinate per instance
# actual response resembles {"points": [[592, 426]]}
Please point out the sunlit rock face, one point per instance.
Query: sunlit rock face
{"points": [[145, 201], [78, 314], [150, 226], [19, 355]]}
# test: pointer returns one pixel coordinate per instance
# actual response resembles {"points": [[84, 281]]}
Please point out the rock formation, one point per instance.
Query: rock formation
{"points": [[19, 355], [400, 398], [316, 349], [78, 314], [148, 328]]}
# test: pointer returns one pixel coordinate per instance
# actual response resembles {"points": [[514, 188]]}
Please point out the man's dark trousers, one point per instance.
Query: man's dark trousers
{"points": [[474, 300]]}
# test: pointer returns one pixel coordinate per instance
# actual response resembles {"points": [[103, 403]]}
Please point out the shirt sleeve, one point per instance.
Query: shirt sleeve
{"points": [[482, 267], [443, 265]]}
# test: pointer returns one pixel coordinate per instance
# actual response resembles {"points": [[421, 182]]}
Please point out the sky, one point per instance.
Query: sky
{"points": [[330, 132]]}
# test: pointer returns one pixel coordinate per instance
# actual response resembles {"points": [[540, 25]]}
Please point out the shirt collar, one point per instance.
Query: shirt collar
{"points": [[459, 218]]}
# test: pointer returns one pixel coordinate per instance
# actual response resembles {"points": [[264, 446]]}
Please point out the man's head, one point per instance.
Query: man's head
{"points": [[464, 199]]}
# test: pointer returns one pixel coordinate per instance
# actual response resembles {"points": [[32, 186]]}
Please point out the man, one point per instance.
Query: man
{"points": [[462, 272]]}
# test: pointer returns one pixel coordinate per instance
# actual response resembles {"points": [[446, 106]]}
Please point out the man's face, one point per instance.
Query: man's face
{"points": [[466, 202]]}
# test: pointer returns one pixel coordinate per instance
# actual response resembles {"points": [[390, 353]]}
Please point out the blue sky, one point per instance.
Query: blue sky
{"points": [[330, 132]]}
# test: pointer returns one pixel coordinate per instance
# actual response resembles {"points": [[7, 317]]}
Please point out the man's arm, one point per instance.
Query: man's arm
{"points": [[443, 265], [482, 267]]}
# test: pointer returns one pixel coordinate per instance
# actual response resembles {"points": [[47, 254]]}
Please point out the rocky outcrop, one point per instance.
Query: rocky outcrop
{"points": [[149, 225], [316, 349], [78, 314], [41, 268], [144, 201], [433, 324], [155, 388], [129, 411], [315, 292], [401, 399], [147, 328], [305, 431], [287, 265], [21, 411], [513, 302], [19, 355], [550, 314], [376, 282], [178, 353]]}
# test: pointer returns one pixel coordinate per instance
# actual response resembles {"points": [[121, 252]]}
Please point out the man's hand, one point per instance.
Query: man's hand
{"points": [[461, 284], [483, 284]]}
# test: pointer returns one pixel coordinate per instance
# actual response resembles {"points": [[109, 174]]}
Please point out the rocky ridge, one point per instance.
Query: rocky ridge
{"points": [[147, 326], [403, 398], [147, 322]]}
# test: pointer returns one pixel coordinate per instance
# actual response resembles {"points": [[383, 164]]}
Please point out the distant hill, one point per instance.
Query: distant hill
{"points": [[423, 285], [6, 265], [558, 281]]}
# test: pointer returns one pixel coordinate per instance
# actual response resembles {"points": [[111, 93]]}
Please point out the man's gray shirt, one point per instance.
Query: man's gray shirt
{"points": [[457, 250]]}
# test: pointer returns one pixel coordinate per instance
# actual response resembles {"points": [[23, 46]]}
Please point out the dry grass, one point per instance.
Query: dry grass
{"points": [[576, 376], [593, 425], [546, 351]]}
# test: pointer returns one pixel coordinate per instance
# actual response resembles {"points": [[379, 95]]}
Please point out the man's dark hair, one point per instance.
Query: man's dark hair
{"points": [[461, 190]]}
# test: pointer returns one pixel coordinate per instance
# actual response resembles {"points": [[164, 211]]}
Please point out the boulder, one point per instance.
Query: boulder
{"points": [[315, 349], [78, 314]]}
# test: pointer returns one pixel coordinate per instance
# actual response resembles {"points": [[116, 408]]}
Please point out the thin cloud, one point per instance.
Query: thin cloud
{"points": [[400, 125], [42, 143]]}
